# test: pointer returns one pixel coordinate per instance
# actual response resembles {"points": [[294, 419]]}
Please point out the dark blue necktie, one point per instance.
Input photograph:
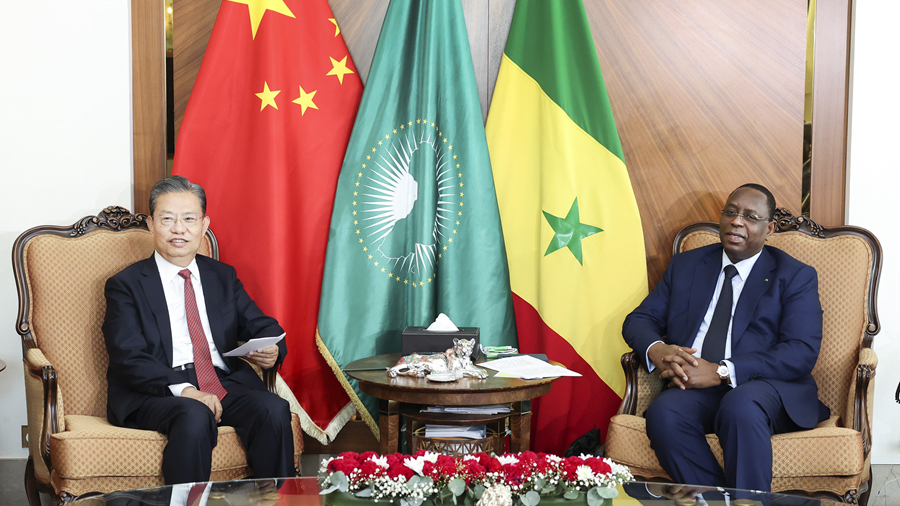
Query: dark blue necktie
{"points": [[714, 342]]}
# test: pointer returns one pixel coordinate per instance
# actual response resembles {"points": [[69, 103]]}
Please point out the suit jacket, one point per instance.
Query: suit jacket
{"points": [[776, 328], [139, 336]]}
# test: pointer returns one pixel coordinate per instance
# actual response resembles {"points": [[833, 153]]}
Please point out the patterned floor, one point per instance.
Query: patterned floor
{"points": [[885, 482]]}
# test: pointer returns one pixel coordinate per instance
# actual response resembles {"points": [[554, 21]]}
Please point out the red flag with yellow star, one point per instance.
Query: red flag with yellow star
{"points": [[265, 132]]}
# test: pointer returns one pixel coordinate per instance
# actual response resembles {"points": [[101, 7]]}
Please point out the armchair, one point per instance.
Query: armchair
{"points": [[60, 276], [831, 460]]}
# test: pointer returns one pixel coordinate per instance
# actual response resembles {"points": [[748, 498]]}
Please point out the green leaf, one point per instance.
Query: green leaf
{"points": [[607, 492], [457, 486], [326, 491], [411, 502], [531, 498], [478, 491], [571, 494], [340, 479], [540, 483], [366, 492], [549, 489]]}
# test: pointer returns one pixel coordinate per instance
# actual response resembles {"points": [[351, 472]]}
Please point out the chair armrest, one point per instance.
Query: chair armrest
{"points": [[862, 406], [641, 387], [267, 375], [51, 417]]}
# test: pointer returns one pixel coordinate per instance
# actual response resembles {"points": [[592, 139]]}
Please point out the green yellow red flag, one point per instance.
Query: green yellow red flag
{"points": [[570, 220]]}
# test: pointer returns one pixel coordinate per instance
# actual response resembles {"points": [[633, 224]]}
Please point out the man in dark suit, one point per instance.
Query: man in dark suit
{"points": [[168, 320], [736, 329]]}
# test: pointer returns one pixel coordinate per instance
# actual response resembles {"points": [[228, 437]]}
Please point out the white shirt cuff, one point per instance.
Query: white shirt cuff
{"points": [[177, 389]]}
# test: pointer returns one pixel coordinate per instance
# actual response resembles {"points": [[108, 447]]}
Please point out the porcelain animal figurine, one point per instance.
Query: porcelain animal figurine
{"points": [[457, 360]]}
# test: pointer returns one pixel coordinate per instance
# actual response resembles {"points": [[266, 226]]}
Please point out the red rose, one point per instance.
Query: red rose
{"points": [[366, 456], [570, 470], [493, 465], [513, 473], [528, 456], [349, 455]]}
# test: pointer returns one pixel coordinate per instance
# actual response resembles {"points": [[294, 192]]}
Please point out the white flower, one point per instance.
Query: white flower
{"points": [[416, 464], [469, 457], [584, 473], [507, 459], [496, 495], [381, 461], [430, 457]]}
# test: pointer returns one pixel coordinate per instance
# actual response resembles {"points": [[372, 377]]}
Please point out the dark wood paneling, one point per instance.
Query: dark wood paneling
{"points": [[148, 69], [192, 24], [830, 105], [707, 95]]}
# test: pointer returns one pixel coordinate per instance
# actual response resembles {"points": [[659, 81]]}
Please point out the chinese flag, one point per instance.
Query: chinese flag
{"points": [[265, 132]]}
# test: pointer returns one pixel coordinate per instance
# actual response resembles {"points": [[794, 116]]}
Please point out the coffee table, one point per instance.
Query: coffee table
{"points": [[305, 491], [405, 395]]}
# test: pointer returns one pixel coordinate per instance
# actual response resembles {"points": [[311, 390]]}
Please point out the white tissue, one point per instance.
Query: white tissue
{"points": [[442, 323]]}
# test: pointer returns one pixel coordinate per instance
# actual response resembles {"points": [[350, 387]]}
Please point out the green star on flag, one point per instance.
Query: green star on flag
{"points": [[569, 232]]}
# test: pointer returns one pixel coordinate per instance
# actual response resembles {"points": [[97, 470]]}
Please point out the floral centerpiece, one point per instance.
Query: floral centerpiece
{"points": [[524, 479]]}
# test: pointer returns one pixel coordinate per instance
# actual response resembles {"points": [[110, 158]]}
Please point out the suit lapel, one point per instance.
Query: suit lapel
{"points": [[754, 288], [213, 298], [156, 299], [702, 287]]}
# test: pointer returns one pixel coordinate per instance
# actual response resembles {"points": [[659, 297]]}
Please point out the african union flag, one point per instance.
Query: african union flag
{"points": [[573, 233], [415, 229]]}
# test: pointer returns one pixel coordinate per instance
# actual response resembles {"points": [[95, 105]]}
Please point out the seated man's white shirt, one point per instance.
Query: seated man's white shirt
{"points": [[737, 283], [181, 492], [173, 287]]}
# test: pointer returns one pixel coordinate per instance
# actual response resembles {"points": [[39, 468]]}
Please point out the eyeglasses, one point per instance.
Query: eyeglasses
{"points": [[749, 218], [169, 221]]}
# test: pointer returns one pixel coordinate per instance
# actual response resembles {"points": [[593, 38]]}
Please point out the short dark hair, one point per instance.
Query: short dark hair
{"points": [[770, 199], [176, 184]]}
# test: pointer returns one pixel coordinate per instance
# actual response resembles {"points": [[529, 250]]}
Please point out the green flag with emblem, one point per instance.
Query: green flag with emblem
{"points": [[415, 229]]}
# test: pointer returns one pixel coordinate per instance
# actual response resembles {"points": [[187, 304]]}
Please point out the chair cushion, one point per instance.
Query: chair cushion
{"points": [[92, 447], [796, 454]]}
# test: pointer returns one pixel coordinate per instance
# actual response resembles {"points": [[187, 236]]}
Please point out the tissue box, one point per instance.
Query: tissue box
{"points": [[419, 340]]}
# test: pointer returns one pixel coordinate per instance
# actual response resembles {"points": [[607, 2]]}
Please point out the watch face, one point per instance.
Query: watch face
{"points": [[723, 371]]}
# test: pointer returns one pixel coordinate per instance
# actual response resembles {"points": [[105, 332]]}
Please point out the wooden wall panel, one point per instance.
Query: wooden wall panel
{"points": [[830, 106], [192, 24], [148, 83], [707, 95]]}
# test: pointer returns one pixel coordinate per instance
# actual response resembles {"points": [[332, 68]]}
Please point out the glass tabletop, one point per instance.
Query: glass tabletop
{"points": [[305, 491]]}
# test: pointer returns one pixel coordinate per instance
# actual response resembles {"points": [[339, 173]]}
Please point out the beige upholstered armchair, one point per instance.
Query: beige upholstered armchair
{"points": [[831, 460], [60, 274]]}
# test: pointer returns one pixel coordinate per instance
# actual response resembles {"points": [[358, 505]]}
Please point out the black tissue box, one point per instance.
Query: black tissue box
{"points": [[422, 341]]}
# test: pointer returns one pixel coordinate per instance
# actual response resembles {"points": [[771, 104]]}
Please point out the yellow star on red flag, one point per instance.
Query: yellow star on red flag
{"points": [[305, 100], [339, 68], [267, 97], [258, 9]]}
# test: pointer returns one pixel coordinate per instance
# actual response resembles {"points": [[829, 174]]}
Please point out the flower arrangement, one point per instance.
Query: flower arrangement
{"points": [[481, 479]]}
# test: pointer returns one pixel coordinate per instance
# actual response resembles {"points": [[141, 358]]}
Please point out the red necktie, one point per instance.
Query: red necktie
{"points": [[195, 494], [207, 379]]}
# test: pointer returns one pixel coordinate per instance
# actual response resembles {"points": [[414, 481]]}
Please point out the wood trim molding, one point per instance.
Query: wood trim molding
{"points": [[148, 84], [831, 87]]}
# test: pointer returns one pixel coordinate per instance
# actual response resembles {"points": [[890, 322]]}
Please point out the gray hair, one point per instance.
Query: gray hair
{"points": [[176, 184]]}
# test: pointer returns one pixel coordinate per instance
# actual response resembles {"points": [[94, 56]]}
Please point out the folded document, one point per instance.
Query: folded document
{"points": [[526, 367]]}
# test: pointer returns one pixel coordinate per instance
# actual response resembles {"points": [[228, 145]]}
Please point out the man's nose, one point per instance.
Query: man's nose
{"points": [[178, 227]]}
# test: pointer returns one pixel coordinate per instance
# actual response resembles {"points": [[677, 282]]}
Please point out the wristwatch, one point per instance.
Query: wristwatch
{"points": [[722, 371]]}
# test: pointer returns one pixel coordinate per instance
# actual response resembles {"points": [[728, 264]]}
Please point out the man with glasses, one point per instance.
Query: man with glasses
{"points": [[735, 328], [169, 319]]}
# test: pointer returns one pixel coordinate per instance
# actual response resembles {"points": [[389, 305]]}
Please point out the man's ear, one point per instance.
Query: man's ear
{"points": [[770, 229]]}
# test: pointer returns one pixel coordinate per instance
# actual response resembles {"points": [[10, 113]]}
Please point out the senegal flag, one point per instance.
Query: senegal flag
{"points": [[415, 229], [571, 224]]}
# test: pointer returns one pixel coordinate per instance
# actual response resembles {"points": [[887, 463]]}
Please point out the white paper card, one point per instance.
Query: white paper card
{"points": [[527, 367], [253, 345]]}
